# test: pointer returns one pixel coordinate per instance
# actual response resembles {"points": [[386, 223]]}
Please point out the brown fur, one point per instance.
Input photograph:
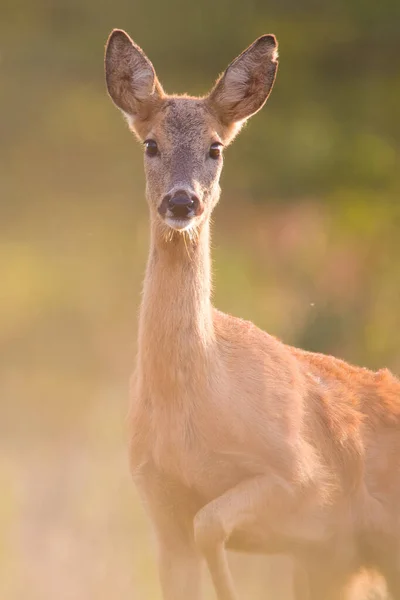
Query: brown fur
{"points": [[236, 438]]}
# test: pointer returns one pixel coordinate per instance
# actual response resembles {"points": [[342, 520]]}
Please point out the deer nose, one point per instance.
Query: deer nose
{"points": [[181, 205]]}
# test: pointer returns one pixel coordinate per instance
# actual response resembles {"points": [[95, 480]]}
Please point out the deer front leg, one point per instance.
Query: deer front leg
{"points": [[260, 496], [217, 563], [179, 561], [179, 568]]}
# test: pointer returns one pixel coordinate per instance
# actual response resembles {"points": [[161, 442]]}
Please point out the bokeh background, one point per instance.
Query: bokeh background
{"points": [[306, 244]]}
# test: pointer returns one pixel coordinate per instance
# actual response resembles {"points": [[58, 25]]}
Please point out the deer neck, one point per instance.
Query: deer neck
{"points": [[176, 332]]}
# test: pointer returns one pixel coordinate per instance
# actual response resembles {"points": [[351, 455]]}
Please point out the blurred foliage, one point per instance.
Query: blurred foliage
{"points": [[306, 244]]}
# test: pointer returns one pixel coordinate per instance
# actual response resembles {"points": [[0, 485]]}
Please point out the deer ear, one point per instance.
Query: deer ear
{"points": [[246, 84], [131, 80]]}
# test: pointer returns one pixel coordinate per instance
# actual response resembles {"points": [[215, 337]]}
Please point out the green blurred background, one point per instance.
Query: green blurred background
{"points": [[306, 244]]}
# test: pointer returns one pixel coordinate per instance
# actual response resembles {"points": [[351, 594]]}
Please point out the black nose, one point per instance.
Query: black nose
{"points": [[181, 205]]}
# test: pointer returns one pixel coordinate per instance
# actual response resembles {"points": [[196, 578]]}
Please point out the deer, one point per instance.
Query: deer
{"points": [[238, 441]]}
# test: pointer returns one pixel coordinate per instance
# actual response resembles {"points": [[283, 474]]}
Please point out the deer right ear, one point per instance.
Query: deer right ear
{"points": [[131, 80]]}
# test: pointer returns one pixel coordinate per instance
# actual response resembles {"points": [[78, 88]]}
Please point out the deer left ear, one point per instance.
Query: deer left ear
{"points": [[246, 84]]}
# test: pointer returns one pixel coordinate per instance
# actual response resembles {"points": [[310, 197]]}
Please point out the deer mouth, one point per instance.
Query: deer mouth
{"points": [[179, 223]]}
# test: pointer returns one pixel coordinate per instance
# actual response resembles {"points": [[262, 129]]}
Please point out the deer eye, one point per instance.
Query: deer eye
{"points": [[151, 147], [215, 150]]}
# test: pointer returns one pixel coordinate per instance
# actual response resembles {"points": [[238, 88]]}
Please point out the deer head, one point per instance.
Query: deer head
{"points": [[184, 136]]}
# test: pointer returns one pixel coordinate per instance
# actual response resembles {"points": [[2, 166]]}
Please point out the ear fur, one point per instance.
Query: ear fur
{"points": [[244, 87], [131, 79]]}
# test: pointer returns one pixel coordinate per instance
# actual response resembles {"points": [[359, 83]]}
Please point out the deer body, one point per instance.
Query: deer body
{"points": [[236, 438]]}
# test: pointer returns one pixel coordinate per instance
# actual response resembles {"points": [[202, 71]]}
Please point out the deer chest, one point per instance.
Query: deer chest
{"points": [[186, 447]]}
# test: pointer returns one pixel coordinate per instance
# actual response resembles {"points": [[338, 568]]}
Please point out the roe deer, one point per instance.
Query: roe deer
{"points": [[238, 440]]}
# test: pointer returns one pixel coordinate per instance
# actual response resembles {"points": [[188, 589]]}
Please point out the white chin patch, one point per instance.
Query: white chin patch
{"points": [[179, 224]]}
